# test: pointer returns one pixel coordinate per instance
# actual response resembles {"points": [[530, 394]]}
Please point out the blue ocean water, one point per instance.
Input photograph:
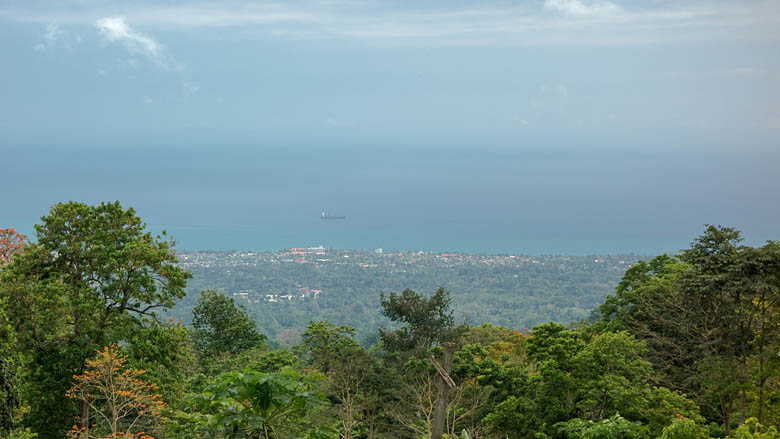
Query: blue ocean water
{"points": [[477, 200]]}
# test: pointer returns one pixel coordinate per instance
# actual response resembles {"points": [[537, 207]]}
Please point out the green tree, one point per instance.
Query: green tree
{"points": [[683, 428], [166, 352], [93, 271], [9, 392], [425, 321], [256, 405], [351, 373], [615, 427], [611, 375], [752, 429], [709, 320], [11, 243], [552, 349], [222, 327]]}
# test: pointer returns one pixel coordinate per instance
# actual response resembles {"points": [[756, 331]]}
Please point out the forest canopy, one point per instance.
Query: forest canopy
{"points": [[686, 347]]}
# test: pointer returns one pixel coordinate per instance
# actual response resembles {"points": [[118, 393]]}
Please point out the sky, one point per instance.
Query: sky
{"points": [[677, 103]]}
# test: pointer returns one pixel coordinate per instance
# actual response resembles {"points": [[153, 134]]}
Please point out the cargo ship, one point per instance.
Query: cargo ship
{"points": [[324, 215]]}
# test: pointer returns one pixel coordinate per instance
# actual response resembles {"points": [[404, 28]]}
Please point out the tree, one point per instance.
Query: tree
{"points": [[255, 405], [752, 429], [349, 369], [611, 376], [222, 327], [651, 304], [427, 322], [552, 349], [683, 428], [710, 321], [9, 391], [123, 404], [166, 352], [94, 271], [615, 427], [715, 286], [11, 243]]}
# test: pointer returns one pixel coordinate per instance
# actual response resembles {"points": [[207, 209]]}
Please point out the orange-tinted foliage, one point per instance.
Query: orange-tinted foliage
{"points": [[11, 243], [121, 400]]}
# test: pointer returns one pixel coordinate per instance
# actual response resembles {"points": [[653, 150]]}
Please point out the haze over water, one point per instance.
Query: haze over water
{"points": [[532, 201], [542, 126]]}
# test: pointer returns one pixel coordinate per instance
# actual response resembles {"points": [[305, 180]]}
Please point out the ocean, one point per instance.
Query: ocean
{"points": [[475, 200]]}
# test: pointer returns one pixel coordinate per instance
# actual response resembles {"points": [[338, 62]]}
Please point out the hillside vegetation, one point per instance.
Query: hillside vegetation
{"points": [[685, 347]]}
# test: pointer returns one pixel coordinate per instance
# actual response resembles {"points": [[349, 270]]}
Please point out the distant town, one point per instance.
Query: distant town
{"points": [[395, 262]]}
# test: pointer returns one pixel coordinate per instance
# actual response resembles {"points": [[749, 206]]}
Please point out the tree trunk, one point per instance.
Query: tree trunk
{"points": [[440, 410], [727, 408], [84, 418], [744, 374]]}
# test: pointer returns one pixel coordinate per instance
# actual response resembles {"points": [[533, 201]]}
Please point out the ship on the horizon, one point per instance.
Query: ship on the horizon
{"points": [[326, 216]]}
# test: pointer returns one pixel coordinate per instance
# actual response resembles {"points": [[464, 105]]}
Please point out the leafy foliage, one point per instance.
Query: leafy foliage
{"points": [[615, 427], [685, 349], [426, 321], [123, 403], [92, 274], [221, 326], [258, 405]]}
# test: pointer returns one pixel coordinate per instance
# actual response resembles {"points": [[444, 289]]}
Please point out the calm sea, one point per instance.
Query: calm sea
{"points": [[537, 201]]}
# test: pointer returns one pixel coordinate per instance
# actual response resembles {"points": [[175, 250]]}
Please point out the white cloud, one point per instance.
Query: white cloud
{"points": [[50, 37], [189, 88], [582, 9], [116, 29], [542, 22]]}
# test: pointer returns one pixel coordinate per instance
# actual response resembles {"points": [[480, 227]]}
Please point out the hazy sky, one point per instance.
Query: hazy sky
{"points": [[497, 73], [616, 116]]}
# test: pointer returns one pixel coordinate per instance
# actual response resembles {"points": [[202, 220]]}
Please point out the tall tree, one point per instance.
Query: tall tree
{"points": [[709, 320], [426, 322], [222, 326], [93, 270], [349, 370], [124, 404], [716, 286], [9, 391], [11, 243]]}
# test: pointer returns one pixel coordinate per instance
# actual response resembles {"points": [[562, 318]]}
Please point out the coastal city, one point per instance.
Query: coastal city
{"points": [[318, 259]]}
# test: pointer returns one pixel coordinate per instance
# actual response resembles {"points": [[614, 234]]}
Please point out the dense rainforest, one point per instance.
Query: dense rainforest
{"points": [[687, 346]]}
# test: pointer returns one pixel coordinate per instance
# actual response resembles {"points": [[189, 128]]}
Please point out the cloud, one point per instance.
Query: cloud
{"points": [[189, 88], [581, 9], [116, 29], [541, 22], [50, 37]]}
